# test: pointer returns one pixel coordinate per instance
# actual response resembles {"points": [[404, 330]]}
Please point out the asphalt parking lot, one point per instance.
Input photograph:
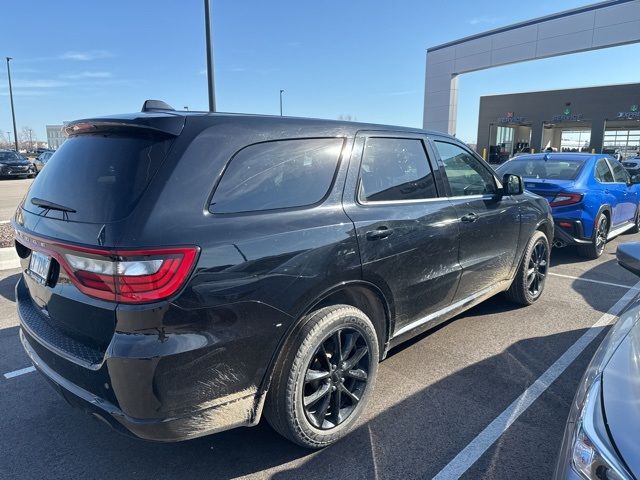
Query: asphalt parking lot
{"points": [[11, 192], [434, 396]]}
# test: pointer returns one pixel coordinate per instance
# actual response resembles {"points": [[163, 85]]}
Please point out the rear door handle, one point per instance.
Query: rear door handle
{"points": [[379, 233], [469, 217]]}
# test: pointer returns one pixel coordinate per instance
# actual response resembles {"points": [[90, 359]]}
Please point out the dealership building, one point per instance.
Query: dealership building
{"points": [[601, 119], [55, 136]]}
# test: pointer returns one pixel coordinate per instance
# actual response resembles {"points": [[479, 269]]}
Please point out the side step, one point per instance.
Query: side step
{"points": [[618, 230]]}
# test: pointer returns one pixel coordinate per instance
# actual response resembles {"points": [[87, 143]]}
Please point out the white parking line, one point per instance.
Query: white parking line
{"points": [[492, 432], [17, 373], [593, 281]]}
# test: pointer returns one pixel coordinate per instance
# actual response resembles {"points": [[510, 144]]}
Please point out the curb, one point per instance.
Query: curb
{"points": [[9, 258]]}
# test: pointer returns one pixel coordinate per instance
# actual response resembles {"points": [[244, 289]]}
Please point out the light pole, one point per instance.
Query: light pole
{"points": [[210, 79], [281, 92], [13, 113]]}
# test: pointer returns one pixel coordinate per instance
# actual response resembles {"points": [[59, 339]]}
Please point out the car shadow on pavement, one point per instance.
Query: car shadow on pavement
{"points": [[415, 427], [8, 287]]}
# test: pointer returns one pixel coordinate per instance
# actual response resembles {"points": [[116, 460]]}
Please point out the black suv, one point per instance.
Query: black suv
{"points": [[185, 272]]}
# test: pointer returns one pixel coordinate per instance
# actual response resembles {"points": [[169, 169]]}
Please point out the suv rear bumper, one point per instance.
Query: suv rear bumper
{"points": [[215, 419], [144, 394]]}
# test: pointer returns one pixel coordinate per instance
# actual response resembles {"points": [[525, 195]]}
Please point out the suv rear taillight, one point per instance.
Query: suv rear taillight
{"points": [[129, 276], [123, 275], [566, 198]]}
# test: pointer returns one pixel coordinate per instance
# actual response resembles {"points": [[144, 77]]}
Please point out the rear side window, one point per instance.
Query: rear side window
{"points": [[603, 173], [619, 173], [101, 176], [395, 169], [279, 174]]}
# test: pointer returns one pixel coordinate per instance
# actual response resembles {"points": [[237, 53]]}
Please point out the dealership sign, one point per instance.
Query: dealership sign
{"points": [[567, 116], [632, 114], [511, 118]]}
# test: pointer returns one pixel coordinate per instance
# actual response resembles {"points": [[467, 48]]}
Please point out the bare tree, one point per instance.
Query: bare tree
{"points": [[27, 137], [347, 118]]}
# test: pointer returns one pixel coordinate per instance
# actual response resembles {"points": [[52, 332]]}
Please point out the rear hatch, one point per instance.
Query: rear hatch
{"points": [[69, 224], [547, 188]]}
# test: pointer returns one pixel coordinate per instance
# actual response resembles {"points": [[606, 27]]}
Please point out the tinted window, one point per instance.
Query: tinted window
{"points": [[466, 175], [603, 173], [395, 169], [556, 169], [101, 176], [281, 174], [619, 173]]}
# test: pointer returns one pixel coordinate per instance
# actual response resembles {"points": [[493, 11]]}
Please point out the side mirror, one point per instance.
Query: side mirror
{"points": [[628, 255], [512, 184]]}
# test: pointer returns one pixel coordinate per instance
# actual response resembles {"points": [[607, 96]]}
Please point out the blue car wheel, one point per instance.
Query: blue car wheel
{"points": [[599, 239]]}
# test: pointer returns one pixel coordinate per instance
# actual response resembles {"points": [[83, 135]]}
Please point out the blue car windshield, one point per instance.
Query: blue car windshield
{"points": [[556, 169]]}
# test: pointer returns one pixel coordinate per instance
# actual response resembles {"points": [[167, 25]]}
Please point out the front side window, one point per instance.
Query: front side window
{"points": [[395, 169], [619, 173], [466, 175], [603, 172], [279, 174]]}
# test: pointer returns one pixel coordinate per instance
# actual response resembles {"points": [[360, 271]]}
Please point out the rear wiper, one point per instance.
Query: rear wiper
{"points": [[47, 205]]}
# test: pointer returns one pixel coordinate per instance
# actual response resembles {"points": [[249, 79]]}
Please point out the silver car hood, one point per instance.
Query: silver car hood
{"points": [[621, 396]]}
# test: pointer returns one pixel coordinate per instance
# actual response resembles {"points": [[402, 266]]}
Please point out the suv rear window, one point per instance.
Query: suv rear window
{"points": [[278, 174], [101, 176]]}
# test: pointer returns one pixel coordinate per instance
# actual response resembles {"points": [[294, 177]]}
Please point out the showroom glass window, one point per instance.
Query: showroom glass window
{"points": [[466, 175], [619, 173], [603, 172], [279, 174], [395, 169]]}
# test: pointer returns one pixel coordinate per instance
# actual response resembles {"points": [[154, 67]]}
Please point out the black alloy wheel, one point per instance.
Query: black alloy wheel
{"points": [[336, 378], [601, 234], [324, 377], [537, 268], [530, 277]]}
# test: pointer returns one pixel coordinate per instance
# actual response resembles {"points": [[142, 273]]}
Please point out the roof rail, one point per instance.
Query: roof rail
{"points": [[152, 105]]}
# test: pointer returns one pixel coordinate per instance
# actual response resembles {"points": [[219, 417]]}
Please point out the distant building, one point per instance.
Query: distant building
{"points": [[55, 136]]}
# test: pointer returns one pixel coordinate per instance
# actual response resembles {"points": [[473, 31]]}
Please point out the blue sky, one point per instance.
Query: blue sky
{"points": [[366, 59]]}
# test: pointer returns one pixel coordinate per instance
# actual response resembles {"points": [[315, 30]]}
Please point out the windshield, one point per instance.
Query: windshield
{"points": [[556, 169], [101, 176], [8, 156]]}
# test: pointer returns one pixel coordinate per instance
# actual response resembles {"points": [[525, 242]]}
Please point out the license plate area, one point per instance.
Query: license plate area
{"points": [[39, 266]]}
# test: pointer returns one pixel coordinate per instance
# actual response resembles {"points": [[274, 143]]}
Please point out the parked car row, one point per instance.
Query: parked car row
{"points": [[235, 265], [13, 164]]}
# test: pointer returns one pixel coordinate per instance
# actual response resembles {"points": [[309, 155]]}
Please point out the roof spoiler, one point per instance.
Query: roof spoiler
{"points": [[161, 124], [155, 105]]}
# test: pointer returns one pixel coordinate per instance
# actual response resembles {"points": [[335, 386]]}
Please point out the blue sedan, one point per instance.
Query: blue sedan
{"points": [[592, 197]]}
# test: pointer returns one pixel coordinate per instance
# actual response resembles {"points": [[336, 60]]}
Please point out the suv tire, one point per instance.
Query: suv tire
{"points": [[595, 248], [311, 377], [528, 284]]}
